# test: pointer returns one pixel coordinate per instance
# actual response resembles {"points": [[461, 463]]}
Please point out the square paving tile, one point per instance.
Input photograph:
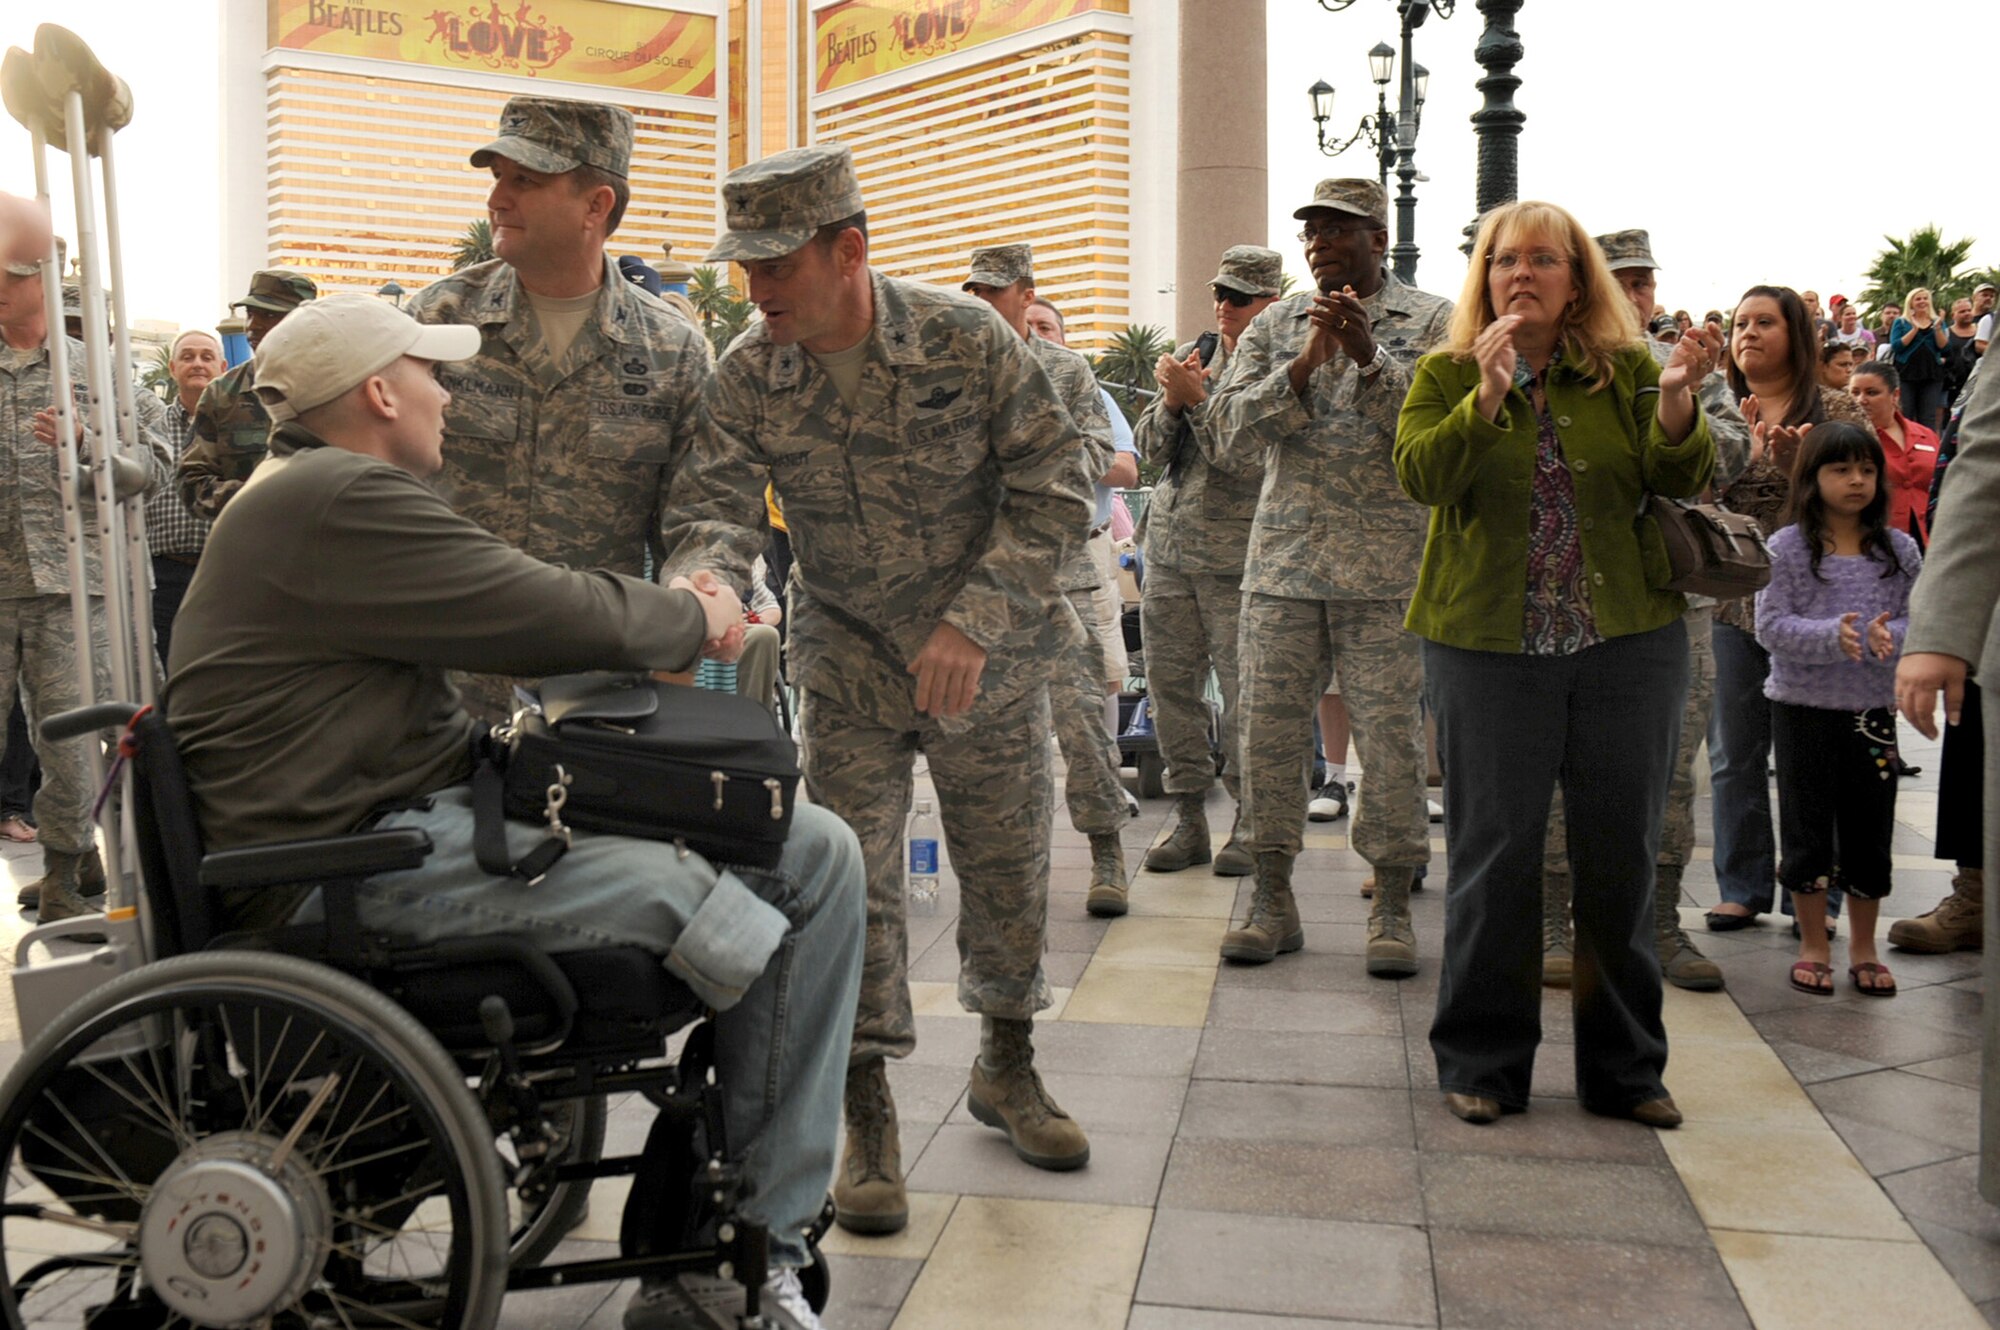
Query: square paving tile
{"points": [[1176, 942], [1123, 1105], [1303, 971], [1113, 1050], [1369, 1184], [1884, 1150], [1501, 1281], [867, 1287], [1289, 1267], [1842, 1283], [1148, 1317], [1879, 1038], [977, 1161], [1914, 1105], [1962, 1069], [1771, 1180], [1321, 1115], [1297, 1058], [1120, 993], [1563, 1198], [1372, 1012], [929, 1212], [1029, 1264]]}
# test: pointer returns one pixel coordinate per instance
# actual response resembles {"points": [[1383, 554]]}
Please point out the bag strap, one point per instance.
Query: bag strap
{"points": [[489, 829]]}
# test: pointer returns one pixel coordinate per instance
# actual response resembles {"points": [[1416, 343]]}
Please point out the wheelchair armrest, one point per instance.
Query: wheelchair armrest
{"points": [[322, 859]]}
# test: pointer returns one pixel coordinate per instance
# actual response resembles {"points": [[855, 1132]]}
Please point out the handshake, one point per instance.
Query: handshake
{"points": [[722, 609]]}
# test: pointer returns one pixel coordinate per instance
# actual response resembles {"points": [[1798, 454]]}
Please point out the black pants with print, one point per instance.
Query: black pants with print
{"points": [[1836, 797]]}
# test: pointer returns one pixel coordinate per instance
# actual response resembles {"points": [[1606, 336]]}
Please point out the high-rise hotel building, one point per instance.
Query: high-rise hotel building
{"points": [[972, 122]]}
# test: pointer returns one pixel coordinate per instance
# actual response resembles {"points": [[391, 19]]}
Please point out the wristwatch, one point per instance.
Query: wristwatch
{"points": [[1375, 362]]}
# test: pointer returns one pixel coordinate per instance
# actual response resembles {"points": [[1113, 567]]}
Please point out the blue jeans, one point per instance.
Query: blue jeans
{"points": [[1739, 754], [777, 951], [1604, 722]]}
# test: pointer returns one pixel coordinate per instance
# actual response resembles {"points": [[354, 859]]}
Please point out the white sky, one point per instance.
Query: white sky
{"points": [[1712, 123]]}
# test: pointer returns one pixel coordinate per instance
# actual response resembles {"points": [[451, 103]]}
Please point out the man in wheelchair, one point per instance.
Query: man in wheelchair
{"points": [[307, 692]]}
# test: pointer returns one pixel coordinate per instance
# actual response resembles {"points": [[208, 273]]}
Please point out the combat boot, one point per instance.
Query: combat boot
{"points": [[1392, 943], [1273, 925], [1558, 955], [1007, 1092], [89, 879], [58, 895], [1957, 924], [868, 1192], [1233, 859], [1680, 962], [1188, 843], [1107, 877]]}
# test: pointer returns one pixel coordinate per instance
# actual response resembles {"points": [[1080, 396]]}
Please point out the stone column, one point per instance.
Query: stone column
{"points": [[1223, 179]]}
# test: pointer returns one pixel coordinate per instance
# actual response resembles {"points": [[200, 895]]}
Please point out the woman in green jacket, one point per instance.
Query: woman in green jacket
{"points": [[1551, 652]]}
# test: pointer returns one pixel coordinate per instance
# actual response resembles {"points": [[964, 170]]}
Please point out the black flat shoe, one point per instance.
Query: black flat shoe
{"points": [[1729, 923]]}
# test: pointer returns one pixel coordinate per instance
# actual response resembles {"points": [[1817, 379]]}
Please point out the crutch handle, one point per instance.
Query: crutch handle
{"points": [[66, 64]]}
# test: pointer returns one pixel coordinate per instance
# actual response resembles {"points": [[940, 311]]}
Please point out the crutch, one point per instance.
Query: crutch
{"points": [[62, 95]]}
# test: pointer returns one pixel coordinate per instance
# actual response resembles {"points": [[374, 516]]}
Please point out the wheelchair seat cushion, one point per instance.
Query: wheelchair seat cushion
{"points": [[625, 1000]]}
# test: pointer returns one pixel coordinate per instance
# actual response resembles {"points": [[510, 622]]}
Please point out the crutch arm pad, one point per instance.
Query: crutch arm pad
{"points": [[66, 64]]}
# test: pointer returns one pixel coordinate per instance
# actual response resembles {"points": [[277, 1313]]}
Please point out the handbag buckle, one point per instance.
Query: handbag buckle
{"points": [[558, 795], [777, 790]]}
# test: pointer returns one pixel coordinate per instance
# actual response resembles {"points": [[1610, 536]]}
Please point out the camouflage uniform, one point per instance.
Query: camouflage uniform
{"points": [[1091, 787], [565, 460], [231, 428], [951, 496], [1332, 563], [38, 649], [1196, 536]]}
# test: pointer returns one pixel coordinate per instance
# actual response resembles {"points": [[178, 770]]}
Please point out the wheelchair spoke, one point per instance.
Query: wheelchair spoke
{"points": [[153, 1107]]}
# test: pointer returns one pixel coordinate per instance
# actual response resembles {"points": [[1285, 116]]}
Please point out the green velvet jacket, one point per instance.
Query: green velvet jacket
{"points": [[1477, 475]]}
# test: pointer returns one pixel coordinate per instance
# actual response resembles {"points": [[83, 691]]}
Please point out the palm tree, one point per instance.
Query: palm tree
{"points": [[723, 310], [154, 375], [1924, 259], [1286, 284], [1128, 364], [475, 246]]}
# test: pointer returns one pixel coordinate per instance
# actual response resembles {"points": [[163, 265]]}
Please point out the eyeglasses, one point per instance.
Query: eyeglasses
{"points": [[1541, 261], [1236, 299], [1332, 230]]}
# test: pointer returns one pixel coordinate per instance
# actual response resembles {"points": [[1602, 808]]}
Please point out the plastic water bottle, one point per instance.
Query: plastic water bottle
{"points": [[922, 839]]}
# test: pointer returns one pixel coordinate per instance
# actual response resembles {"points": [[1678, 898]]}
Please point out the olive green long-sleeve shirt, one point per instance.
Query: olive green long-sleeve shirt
{"points": [[307, 684]]}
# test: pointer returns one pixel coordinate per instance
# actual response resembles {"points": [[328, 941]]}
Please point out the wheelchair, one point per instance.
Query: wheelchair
{"points": [[314, 1127]]}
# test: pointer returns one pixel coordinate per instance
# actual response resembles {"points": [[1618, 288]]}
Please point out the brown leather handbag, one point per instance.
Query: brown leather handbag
{"points": [[1710, 550]]}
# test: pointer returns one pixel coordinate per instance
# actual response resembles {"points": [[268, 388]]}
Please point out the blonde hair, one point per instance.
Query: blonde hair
{"points": [[1916, 291], [1596, 326]]}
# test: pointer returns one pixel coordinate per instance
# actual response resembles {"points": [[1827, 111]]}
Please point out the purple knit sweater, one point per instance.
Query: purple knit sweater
{"points": [[1798, 622]]}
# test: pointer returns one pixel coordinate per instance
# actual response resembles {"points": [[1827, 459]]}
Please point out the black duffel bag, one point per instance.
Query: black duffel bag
{"points": [[624, 754]]}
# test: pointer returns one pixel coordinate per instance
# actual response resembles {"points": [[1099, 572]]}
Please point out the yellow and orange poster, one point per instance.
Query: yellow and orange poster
{"points": [[859, 39], [580, 41]]}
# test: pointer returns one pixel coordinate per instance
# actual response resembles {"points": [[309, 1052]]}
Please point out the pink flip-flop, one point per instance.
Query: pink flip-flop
{"points": [[16, 829]]}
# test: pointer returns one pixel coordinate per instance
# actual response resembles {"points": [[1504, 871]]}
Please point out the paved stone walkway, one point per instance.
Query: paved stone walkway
{"points": [[1269, 1151]]}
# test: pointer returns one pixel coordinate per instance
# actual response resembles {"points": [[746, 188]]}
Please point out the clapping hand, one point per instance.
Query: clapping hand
{"points": [[1779, 442], [1694, 359], [1880, 640], [1493, 351], [1850, 636], [1183, 383]]}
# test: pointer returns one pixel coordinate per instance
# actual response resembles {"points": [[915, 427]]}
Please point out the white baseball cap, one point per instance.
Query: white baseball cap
{"points": [[329, 345]]}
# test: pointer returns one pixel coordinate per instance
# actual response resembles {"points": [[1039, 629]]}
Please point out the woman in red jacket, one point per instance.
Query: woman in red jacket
{"points": [[1911, 449]]}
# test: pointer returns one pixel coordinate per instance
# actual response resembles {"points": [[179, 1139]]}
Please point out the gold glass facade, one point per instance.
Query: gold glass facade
{"points": [[1034, 146], [368, 177]]}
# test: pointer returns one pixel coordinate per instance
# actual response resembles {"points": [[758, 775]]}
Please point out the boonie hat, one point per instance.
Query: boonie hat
{"points": [[1000, 265], [1627, 249], [1363, 198], [277, 291], [1250, 270], [333, 344], [774, 206], [554, 135]]}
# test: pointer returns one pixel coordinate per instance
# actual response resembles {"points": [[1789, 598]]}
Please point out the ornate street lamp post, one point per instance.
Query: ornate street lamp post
{"points": [[1499, 121], [1377, 128]]}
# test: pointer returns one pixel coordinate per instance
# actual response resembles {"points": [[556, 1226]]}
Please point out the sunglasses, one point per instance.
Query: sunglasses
{"points": [[1236, 299]]}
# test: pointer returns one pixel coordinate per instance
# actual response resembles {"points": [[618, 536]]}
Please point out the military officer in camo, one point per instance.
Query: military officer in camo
{"points": [[563, 431], [231, 427], [1629, 254], [38, 648], [1196, 535], [1004, 277], [1314, 389], [934, 483]]}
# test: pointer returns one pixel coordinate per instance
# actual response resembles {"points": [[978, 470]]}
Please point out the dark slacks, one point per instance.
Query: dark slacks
{"points": [[170, 588], [1605, 723], [1962, 786], [1836, 797]]}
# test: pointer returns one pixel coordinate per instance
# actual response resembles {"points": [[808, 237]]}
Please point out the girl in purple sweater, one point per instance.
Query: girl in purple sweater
{"points": [[1833, 619]]}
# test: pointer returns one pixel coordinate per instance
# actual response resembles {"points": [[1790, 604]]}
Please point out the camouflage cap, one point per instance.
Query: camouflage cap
{"points": [[30, 269], [553, 135], [1363, 198], [1627, 249], [1001, 265], [277, 291], [774, 205], [72, 294], [1250, 270]]}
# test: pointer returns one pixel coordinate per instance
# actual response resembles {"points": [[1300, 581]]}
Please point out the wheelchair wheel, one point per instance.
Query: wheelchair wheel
{"points": [[540, 1221], [237, 1139]]}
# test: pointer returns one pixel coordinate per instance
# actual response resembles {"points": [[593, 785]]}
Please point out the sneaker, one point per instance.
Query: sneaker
{"points": [[709, 1302], [1330, 805], [1435, 809]]}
